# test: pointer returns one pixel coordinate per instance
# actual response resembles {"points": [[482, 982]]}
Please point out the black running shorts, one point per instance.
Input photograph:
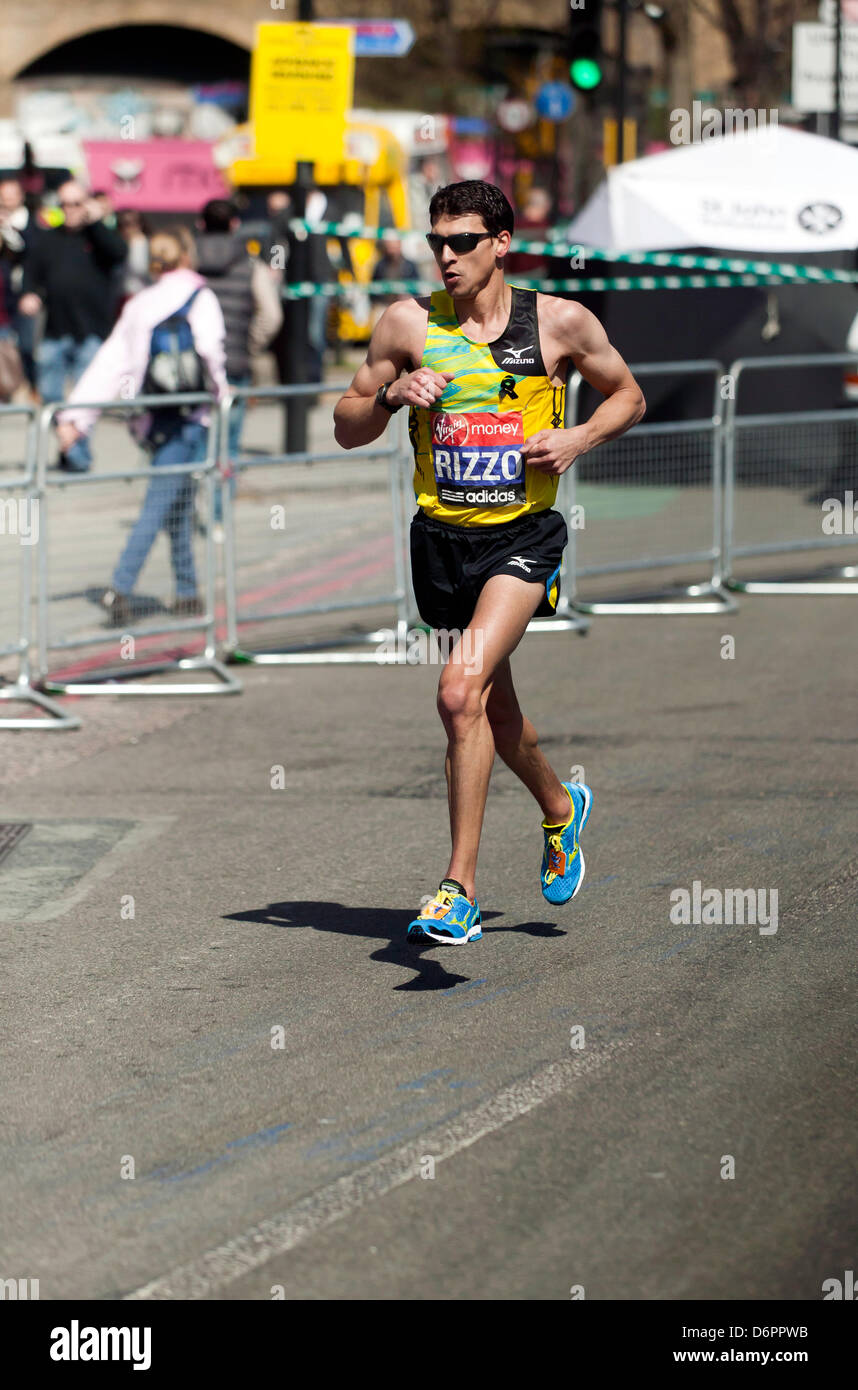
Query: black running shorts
{"points": [[451, 564]]}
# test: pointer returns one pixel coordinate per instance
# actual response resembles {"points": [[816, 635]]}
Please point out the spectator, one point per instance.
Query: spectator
{"points": [[392, 264], [422, 184], [11, 256], [16, 231], [248, 296], [532, 225], [69, 269], [11, 371], [134, 230], [321, 272], [188, 243], [178, 438], [277, 206], [11, 251]]}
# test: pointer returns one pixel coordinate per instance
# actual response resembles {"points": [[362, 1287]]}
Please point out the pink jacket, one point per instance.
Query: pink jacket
{"points": [[118, 368]]}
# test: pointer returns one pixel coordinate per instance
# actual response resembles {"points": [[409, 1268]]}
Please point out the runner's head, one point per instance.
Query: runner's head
{"points": [[480, 213]]}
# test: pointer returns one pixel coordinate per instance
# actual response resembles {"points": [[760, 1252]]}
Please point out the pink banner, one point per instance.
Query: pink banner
{"points": [[155, 175]]}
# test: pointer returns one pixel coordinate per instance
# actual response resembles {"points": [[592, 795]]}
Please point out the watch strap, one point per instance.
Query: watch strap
{"points": [[381, 397]]}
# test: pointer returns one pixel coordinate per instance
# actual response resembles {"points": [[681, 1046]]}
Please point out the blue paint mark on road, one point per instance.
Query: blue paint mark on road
{"points": [[420, 1083], [468, 984], [484, 998], [507, 989], [365, 1155], [680, 946], [258, 1140], [348, 1136]]}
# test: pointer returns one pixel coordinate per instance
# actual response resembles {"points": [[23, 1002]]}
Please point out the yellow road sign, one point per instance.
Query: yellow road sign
{"points": [[301, 85]]}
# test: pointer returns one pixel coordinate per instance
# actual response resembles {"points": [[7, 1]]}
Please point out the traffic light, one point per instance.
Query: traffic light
{"points": [[586, 69]]}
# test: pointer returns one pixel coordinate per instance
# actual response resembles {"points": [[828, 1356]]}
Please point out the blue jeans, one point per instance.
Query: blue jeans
{"points": [[169, 506], [56, 359], [236, 416]]}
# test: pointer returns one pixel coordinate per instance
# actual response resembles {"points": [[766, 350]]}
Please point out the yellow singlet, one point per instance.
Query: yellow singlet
{"points": [[468, 469]]}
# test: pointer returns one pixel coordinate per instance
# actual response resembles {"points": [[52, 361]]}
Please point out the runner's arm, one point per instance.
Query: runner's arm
{"points": [[587, 346], [582, 340], [358, 418]]}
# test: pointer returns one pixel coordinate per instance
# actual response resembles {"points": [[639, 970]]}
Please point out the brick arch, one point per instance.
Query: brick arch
{"points": [[33, 30]]}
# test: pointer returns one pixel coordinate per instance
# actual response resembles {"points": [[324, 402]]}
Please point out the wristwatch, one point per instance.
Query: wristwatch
{"points": [[381, 398]]}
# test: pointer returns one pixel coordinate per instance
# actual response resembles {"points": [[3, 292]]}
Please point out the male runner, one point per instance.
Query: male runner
{"points": [[484, 366]]}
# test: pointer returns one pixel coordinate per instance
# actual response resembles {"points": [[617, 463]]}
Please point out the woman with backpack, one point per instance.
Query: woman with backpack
{"points": [[169, 338]]}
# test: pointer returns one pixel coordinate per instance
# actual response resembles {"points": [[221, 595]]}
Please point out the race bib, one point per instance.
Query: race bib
{"points": [[477, 458]]}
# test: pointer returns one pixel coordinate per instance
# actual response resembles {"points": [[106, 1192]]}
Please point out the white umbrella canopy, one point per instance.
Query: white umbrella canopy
{"points": [[768, 190]]}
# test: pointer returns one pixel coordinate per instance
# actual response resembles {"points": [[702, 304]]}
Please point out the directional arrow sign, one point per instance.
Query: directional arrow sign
{"points": [[555, 101], [381, 38]]}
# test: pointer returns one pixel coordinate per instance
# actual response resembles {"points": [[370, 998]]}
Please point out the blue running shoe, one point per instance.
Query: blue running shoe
{"points": [[450, 919], [562, 860]]}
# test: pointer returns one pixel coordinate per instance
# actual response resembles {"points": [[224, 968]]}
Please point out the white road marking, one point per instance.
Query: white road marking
{"points": [[203, 1277]]}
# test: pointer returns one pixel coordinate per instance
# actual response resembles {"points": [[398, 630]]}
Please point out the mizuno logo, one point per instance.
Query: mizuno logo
{"points": [[514, 358], [522, 564]]}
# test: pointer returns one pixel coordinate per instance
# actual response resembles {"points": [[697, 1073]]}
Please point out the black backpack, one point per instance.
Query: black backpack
{"points": [[174, 364]]}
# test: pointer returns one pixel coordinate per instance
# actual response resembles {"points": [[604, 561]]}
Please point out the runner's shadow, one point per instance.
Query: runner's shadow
{"points": [[535, 929], [386, 923]]}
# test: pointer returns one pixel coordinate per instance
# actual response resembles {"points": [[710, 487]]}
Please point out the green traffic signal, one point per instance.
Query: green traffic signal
{"points": [[585, 73]]}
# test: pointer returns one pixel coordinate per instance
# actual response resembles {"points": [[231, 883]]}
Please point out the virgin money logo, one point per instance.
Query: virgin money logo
{"points": [[450, 429], [481, 427]]}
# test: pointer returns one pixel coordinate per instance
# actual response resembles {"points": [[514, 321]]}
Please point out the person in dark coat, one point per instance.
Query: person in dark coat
{"points": [[70, 270], [249, 297]]}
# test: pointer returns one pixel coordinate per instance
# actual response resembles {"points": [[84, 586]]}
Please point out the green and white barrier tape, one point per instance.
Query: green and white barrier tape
{"points": [[556, 246], [307, 289]]}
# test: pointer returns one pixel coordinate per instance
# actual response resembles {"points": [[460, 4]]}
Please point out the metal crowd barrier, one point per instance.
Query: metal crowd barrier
{"points": [[666, 495], [650, 501], [81, 517], [20, 537], [287, 559], [787, 473]]}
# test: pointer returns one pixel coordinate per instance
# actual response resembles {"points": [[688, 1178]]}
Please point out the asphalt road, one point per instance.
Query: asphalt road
{"points": [[143, 1043]]}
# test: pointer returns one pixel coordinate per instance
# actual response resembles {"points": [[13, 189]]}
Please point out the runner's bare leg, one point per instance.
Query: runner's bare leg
{"points": [[503, 611], [517, 743]]}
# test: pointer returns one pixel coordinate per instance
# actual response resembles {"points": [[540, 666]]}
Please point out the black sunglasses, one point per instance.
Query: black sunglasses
{"points": [[460, 242]]}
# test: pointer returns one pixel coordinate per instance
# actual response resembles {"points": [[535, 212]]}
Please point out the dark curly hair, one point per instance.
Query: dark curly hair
{"points": [[477, 196]]}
